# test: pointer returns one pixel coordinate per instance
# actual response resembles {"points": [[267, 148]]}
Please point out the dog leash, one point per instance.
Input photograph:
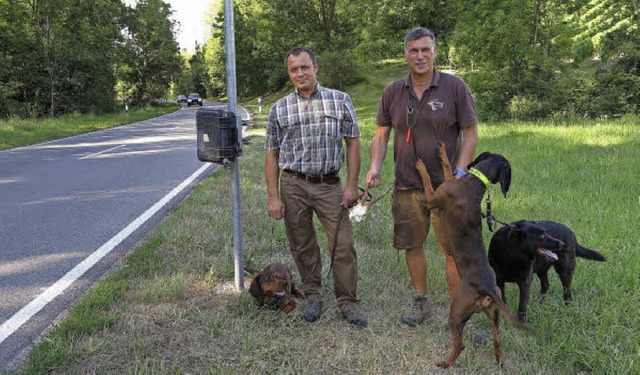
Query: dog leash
{"points": [[491, 220], [335, 239], [364, 196], [373, 201]]}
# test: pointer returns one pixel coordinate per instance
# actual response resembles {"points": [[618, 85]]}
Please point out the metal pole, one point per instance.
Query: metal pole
{"points": [[230, 48]]}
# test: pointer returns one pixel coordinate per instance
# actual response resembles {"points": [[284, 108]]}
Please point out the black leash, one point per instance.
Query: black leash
{"points": [[364, 196], [491, 220], [335, 239]]}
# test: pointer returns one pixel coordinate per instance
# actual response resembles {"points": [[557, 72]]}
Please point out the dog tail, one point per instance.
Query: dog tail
{"points": [[504, 310], [585, 253]]}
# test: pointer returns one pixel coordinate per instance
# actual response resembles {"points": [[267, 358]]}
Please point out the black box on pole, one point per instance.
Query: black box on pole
{"points": [[217, 135]]}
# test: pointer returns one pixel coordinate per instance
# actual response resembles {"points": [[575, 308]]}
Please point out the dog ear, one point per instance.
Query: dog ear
{"points": [[480, 158], [505, 181], [254, 288], [516, 229], [505, 177]]}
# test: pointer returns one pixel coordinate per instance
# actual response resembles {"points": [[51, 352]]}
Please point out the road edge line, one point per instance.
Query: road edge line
{"points": [[26, 313]]}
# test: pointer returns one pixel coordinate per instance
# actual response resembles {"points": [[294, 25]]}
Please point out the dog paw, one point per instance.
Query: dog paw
{"points": [[289, 306], [443, 364], [298, 293]]}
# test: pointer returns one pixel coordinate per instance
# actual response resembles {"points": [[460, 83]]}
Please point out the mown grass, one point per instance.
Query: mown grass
{"points": [[172, 308], [16, 132]]}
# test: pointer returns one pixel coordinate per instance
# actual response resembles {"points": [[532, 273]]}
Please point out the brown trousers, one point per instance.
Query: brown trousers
{"points": [[301, 199]]}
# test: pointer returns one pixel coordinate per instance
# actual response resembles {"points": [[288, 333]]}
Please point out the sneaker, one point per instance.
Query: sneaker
{"points": [[355, 317], [314, 311], [418, 312]]}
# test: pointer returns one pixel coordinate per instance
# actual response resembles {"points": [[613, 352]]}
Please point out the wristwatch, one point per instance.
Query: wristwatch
{"points": [[459, 172]]}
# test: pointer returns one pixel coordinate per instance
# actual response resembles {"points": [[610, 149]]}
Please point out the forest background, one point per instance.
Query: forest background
{"points": [[523, 59]]}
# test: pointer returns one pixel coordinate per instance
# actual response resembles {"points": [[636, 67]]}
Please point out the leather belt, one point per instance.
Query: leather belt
{"points": [[331, 178]]}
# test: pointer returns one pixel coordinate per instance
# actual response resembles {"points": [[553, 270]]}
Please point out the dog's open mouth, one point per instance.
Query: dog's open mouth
{"points": [[279, 294], [550, 255]]}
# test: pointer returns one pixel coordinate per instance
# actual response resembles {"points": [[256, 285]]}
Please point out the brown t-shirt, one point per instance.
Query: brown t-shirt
{"points": [[443, 111]]}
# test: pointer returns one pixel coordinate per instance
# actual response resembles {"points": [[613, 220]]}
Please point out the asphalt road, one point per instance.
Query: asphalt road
{"points": [[71, 209]]}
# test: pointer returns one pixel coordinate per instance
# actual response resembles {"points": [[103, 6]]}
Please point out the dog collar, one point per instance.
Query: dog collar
{"points": [[481, 176]]}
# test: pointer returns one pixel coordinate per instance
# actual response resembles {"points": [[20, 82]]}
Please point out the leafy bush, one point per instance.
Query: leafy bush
{"points": [[615, 92], [338, 69], [525, 107], [559, 92], [491, 93]]}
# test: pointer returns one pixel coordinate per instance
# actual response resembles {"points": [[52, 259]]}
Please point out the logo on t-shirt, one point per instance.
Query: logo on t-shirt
{"points": [[435, 104]]}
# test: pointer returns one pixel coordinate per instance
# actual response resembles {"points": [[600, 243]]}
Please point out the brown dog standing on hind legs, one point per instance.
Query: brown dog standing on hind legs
{"points": [[457, 203]]}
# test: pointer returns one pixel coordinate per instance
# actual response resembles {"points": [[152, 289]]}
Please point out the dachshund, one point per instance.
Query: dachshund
{"points": [[275, 288]]}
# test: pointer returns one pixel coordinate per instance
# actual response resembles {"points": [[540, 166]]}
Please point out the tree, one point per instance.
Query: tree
{"points": [[266, 29], [193, 76], [15, 39], [517, 48], [151, 58], [60, 55], [610, 31], [382, 25], [95, 34]]}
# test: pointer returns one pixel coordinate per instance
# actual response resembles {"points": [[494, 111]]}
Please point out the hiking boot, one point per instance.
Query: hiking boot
{"points": [[418, 312], [355, 317], [314, 311]]}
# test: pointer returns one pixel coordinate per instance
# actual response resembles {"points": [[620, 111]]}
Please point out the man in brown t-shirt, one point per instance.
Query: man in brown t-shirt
{"points": [[422, 108]]}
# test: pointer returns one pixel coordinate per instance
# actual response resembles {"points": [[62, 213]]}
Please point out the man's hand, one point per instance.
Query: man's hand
{"points": [[458, 173], [276, 208], [373, 178], [349, 196]]}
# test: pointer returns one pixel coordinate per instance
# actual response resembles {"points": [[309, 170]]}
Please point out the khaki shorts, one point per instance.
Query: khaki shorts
{"points": [[411, 218]]}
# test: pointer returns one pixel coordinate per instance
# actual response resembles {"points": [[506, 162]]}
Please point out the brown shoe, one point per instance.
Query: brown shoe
{"points": [[418, 311]]}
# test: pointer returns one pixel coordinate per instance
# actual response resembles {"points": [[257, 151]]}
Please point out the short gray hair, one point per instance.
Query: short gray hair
{"points": [[418, 33], [297, 51]]}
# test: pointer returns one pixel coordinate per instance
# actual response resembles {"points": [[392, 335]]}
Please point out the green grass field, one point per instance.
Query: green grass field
{"points": [[172, 307]]}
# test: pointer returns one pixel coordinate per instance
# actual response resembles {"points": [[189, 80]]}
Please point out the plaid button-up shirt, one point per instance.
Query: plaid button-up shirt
{"points": [[309, 132]]}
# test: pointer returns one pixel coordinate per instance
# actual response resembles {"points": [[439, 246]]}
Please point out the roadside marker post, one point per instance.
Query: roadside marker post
{"points": [[230, 50]]}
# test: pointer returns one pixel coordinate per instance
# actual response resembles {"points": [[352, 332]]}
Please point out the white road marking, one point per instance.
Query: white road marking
{"points": [[21, 317], [101, 152]]}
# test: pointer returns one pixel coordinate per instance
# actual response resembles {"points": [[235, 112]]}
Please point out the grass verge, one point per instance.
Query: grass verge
{"points": [[21, 132]]}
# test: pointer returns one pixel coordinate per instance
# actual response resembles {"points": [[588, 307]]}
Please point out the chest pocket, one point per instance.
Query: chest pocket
{"points": [[291, 128], [314, 122], [330, 123]]}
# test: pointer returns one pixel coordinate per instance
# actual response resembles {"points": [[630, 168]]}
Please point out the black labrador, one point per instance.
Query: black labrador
{"points": [[522, 248]]}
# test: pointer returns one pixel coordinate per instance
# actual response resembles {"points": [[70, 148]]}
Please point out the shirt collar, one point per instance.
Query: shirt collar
{"points": [[313, 94], [434, 82]]}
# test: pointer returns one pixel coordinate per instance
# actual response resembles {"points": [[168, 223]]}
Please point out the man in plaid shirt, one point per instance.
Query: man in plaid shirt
{"points": [[304, 140]]}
